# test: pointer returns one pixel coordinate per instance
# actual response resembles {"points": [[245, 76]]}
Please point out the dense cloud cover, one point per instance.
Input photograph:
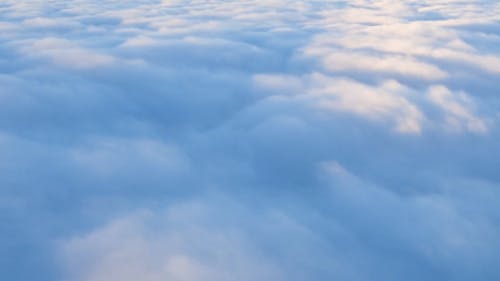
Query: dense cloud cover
{"points": [[249, 140]]}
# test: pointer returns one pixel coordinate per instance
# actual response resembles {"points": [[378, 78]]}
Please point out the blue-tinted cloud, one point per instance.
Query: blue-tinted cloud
{"points": [[249, 140]]}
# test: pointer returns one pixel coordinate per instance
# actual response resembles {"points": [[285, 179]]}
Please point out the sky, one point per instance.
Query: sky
{"points": [[249, 140]]}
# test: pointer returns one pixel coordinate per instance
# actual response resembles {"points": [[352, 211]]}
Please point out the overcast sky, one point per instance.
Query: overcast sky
{"points": [[249, 140]]}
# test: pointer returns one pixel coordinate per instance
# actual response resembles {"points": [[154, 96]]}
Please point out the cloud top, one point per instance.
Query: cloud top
{"points": [[249, 140]]}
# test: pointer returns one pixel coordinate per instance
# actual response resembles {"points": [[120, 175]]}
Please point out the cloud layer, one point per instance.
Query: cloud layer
{"points": [[249, 140]]}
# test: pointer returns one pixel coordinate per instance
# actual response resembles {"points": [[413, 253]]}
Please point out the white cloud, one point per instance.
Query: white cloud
{"points": [[335, 60], [383, 102], [48, 23], [66, 53], [180, 249], [457, 110], [112, 157], [140, 41], [249, 140]]}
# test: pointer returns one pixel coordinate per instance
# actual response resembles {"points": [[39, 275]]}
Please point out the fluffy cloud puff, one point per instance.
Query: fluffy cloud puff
{"points": [[249, 140]]}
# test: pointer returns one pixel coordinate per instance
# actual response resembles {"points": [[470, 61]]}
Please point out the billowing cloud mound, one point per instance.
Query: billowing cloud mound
{"points": [[249, 140]]}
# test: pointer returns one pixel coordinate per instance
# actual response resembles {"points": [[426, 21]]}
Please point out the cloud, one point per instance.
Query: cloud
{"points": [[65, 53], [386, 101], [249, 140], [218, 238], [128, 249], [337, 61], [457, 109]]}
